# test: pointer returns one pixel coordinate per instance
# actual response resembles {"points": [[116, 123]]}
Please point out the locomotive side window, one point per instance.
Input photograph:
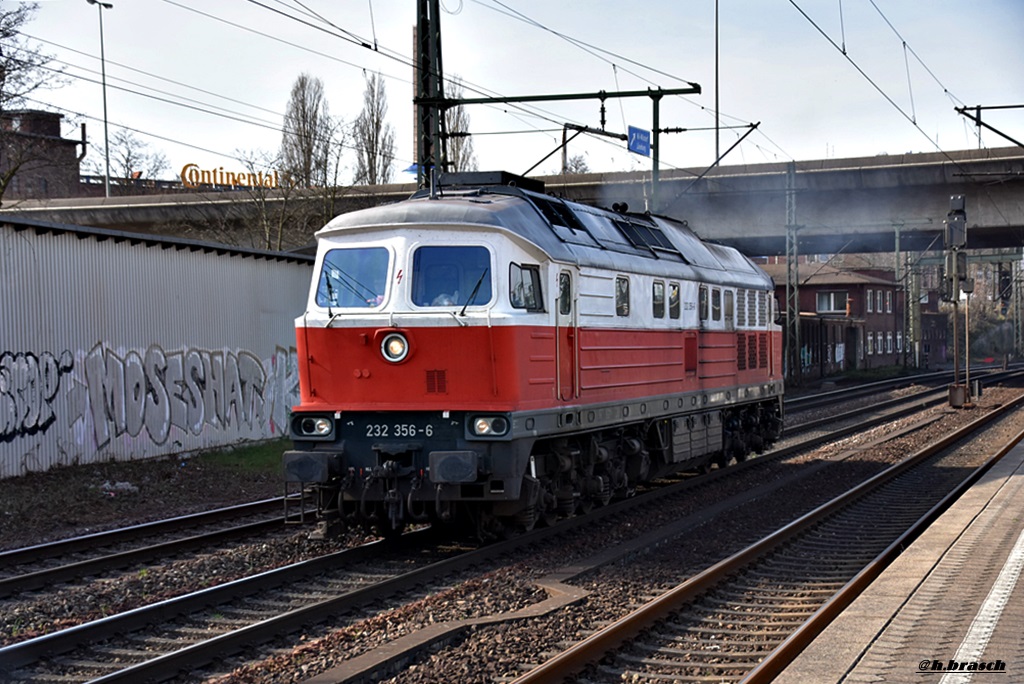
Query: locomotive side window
{"points": [[716, 304], [673, 300], [703, 302], [524, 287], [451, 276], [564, 294], [658, 299], [621, 296], [729, 315], [355, 277]]}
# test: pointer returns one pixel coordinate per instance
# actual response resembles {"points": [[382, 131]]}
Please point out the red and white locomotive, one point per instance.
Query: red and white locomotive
{"points": [[499, 356]]}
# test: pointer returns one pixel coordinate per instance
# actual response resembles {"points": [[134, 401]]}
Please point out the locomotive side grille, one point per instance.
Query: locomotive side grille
{"points": [[741, 351], [741, 307], [437, 382], [762, 352], [752, 351]]}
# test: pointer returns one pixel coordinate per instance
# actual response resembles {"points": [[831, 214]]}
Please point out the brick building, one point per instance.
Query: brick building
{"points": [[44, 165], [853, 319]]}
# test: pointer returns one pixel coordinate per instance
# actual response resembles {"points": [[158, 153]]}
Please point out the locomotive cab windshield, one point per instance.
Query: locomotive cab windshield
{"points": [[441, 276], [451, 275]]}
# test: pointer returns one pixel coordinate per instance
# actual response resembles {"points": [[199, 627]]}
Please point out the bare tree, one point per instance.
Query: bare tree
{"points": [[24, 69], [577, 163], [130, 159], [374, 138], [308, 134], [460, 145]]}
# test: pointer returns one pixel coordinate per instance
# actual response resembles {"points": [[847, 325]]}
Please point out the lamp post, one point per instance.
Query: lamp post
{"points": [[100, 6]]}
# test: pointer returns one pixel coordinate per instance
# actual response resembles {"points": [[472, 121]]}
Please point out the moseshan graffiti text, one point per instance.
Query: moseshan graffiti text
{"points": [[187, 389], [78, 406]]}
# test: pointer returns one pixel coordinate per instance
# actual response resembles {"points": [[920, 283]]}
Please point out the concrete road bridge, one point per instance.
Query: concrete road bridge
{"points": [[869, 204]]}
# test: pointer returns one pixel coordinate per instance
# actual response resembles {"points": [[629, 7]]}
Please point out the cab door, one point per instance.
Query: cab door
{"points": [[566, 338]]}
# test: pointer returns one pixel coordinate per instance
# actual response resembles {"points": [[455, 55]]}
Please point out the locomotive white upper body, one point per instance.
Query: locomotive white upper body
{"points": [[501, 356]]}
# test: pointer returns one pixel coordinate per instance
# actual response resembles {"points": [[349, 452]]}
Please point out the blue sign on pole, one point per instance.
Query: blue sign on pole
{"points": [[639, 141]]}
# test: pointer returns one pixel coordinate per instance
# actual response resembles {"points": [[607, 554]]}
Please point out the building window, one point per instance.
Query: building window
{"points": [[899, 342], [871, 344], [658, 299], [871, 301], [878, 301], [832, 302], [888, 343], [621, 296], [888, 301]]}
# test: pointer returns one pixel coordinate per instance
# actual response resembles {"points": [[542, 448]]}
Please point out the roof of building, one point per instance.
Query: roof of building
{"points": [[18, 223], [823, 275]]}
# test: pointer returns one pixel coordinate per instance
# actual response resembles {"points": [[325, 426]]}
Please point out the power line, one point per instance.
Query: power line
{"points": [[384, 51], [592, 49], [196, 105], [149, 74]]}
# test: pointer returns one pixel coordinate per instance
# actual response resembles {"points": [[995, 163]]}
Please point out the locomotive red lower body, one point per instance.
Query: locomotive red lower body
{"points": [[503, 426]]}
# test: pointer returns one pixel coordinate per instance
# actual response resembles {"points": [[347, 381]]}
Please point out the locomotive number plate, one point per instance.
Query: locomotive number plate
{"points": [[401, 430]]}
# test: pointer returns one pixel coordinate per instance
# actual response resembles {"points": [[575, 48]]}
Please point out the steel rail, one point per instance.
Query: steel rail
{"points": [[571, 661], [818, 399], [62, 547], [785, 653], [84, 568], [26, 652]]}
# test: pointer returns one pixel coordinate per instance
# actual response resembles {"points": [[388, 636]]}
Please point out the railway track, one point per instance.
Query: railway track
{"points": [[937, 379], [262, 608], [34, 567], [927, 395], [164, 638], [747, 616]]}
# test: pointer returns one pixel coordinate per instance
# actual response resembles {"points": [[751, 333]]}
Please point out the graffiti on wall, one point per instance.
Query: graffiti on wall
{"points": [[28, 387], [150, 396]]}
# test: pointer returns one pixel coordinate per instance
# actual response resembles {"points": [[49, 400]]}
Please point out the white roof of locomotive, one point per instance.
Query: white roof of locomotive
{"points": [[593, 240]]}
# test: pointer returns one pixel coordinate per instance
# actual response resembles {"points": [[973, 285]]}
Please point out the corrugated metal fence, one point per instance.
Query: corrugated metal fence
{"points": [[118, 346]]}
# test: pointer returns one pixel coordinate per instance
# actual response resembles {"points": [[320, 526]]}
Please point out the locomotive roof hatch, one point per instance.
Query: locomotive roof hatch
{"points": [[477, 179]]}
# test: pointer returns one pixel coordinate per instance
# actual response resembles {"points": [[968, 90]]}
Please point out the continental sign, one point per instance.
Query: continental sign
{"points": [[193, 177]]}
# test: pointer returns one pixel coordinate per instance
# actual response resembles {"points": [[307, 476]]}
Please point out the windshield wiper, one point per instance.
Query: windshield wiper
{"points": [[476, 288]]}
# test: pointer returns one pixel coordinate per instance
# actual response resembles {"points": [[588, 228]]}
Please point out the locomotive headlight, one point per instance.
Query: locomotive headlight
{"points": [[395, 347], [316, 426], [490, 426]]}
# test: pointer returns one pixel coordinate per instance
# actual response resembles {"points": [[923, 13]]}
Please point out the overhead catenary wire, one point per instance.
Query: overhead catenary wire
{"points": [[393, 55]]}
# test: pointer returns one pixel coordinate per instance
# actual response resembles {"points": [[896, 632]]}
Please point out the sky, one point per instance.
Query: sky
{"points": [[207, 82]]}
